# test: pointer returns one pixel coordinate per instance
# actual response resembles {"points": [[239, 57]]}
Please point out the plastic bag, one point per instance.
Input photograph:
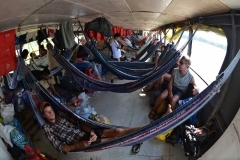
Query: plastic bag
{"points": [[76, 101], [7, 112], [162, 108], [103, 119], [84, 98], [164, 135], [19, 107], [5, 133], [84, 111], [19, 139]]}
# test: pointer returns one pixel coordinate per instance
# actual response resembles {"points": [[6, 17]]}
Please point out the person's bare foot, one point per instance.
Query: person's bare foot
{"points": [[169, 110]]}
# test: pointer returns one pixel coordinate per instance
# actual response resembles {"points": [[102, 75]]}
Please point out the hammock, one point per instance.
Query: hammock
{"points": [[122, 42], [167, 122], [143, 51], [140, 52], [132, 37], [88, 82], [13, 80], [92, 84], [128, 74], [141, 41], [68, 56]]}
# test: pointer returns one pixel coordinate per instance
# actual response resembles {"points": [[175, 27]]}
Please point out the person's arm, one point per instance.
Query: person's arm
{"points": [[90, 131], [38, 61], [68, 148], [52, 88], [116, 44], [156, 61], [170, 85], [196, 89], [79, 60]]}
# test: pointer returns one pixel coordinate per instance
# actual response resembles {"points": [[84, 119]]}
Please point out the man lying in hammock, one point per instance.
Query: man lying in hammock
{"points": [[66, 133]]}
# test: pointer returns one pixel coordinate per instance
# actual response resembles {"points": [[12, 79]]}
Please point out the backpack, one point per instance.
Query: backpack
{"points": [[16, 153], [101, 25], [174, 137], [36, 154], [68, 83], [192, 139]]}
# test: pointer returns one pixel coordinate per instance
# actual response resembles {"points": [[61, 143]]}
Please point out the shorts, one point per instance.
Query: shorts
{"points": [[177, 91], [98, 132]]}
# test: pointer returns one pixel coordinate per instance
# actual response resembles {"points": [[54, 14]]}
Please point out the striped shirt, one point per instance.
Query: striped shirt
{"points": [[65, 131]]}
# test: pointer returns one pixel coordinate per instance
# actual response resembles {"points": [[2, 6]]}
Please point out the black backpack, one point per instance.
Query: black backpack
{"points": [[68, 83], [16, 153], [101, 25], [174, 137], [192, 139]]}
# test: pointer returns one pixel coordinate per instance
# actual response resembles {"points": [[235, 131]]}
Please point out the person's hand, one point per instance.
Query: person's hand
{"points": [[195, 91], [93, 137]]}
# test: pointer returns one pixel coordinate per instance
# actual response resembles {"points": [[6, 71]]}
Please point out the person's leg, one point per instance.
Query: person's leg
{"points": [[158, 101], [173, 101], [167, 76], [160, 81], [177, 94], [109, 133], [105, 139], [169, 110]]}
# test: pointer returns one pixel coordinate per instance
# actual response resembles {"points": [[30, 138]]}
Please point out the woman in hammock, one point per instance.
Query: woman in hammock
{"points": [[66, 133]]}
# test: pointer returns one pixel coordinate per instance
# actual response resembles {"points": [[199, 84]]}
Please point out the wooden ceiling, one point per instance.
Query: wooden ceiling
{"points": [[129, 14]]}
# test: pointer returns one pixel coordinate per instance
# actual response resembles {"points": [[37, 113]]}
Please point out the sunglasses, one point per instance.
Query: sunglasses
{"points": [[181, 63]]}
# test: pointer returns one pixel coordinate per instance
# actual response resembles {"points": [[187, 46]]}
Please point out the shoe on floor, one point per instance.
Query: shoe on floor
{"points": [[136, 148]]}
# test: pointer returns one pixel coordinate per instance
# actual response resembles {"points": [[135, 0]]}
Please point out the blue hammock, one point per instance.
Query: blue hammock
{"points": [[126, 73], [90, 83], [167, 122]]}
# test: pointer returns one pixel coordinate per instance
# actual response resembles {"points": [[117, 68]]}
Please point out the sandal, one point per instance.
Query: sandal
{"points": [[152, 114], [136, 148]]}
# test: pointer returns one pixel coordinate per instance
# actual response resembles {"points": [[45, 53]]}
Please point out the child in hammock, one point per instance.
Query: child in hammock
{"points": [[177, 86]]}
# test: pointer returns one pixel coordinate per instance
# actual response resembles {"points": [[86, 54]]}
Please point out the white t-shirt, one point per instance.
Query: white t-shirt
{"points": [[128, 42], [116, 51]]}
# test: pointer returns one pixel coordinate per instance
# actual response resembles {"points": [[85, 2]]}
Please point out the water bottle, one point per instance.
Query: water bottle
{"points": [[103, 78], [86, 110], [112, 79]]}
